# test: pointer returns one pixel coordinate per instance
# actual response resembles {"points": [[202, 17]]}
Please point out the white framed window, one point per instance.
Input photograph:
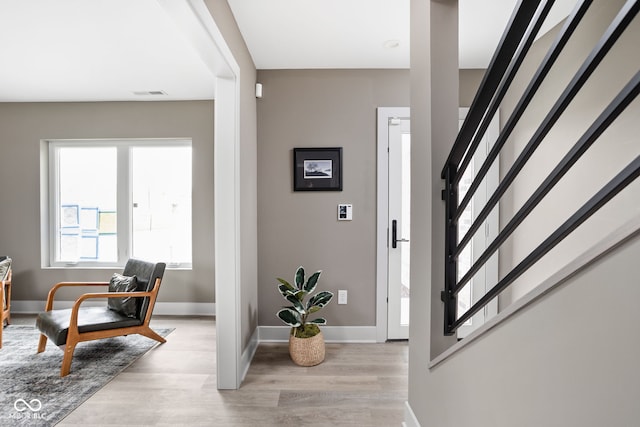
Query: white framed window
{"points": [[111, 200]]}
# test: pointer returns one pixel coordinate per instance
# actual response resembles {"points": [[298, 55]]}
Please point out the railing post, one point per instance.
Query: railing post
{"points": [[450, 196]]}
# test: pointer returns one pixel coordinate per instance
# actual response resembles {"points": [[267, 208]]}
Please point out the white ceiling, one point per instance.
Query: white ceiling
{"points": [[324, 33], [296, 34], [107, 50], [87, 50]]}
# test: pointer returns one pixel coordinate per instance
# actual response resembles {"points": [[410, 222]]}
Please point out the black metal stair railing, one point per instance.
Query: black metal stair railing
{"points": [[518, 37]]}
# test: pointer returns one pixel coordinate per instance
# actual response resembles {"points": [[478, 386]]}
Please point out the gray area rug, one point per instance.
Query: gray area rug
{"points": [[31, 390]]}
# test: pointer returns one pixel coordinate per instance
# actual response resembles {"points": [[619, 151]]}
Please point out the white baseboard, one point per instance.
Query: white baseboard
{"points": [[341, 334], [185, 308], [248, 353], [410, 419], [161, 308]]}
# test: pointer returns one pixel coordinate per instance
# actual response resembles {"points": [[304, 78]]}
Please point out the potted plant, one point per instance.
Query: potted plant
{"points": [[306, 342]]}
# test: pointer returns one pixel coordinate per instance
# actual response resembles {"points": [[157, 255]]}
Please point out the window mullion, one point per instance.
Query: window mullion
{"points": [[53, 204], [124, 202]]}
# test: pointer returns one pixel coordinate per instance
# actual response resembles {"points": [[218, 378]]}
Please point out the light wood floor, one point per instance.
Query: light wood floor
{"points": [[175, 385]]}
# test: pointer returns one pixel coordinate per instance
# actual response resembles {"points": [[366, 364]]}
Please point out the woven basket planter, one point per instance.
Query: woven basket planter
{"points": [[307, 351]]}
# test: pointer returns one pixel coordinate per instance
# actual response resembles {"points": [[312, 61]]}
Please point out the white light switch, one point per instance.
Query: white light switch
{"points": [[345, 212], [342, 296]]}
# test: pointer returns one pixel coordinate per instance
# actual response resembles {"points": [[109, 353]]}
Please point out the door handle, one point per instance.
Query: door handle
{"points": [[394, 235]]}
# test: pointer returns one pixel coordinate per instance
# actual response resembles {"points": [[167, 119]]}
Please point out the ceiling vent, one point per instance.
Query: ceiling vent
{"points": [[150, 92]]}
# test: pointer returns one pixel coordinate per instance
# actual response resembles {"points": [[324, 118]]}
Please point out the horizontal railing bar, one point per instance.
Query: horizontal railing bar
{"points": [[508, 44], [541, 73], [617, 27], [501, 91], [608, 116], [610, 190]]}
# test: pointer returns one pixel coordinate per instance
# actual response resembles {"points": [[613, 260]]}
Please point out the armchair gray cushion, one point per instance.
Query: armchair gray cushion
{"points": [[127, 306], [146, 274], [55, 323]]}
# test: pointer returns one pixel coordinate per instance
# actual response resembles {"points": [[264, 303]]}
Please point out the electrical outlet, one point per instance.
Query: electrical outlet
{"points": [[342, 296]]}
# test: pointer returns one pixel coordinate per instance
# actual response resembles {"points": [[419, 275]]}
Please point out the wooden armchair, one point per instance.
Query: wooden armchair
{"points": [[130, 301], [5, 293]]}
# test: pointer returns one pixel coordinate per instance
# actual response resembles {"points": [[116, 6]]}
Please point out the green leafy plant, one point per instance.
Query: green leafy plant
{"points": [[297, 314]]}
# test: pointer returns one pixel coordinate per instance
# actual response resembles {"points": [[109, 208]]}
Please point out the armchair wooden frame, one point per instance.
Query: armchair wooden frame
{"points": [[5, 298], [74, 336]]}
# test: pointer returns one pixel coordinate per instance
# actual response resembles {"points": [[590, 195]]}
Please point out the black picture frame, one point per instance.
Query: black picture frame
{"points": [[317, 169]]}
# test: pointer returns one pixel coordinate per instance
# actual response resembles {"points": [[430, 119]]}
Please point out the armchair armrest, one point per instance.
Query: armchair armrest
{"points": [[54, 289], [7, 281], [134, 294], [5, 294], [73, 322]]}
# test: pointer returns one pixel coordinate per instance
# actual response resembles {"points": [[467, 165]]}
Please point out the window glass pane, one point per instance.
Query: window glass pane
{"points": [[87, 189], [161, 179]]}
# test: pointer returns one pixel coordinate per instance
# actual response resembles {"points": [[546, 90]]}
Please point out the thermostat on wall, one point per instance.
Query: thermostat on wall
{"points": [[345, 212]]}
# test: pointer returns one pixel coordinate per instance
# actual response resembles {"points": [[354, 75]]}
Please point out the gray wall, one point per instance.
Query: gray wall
{"points": [[307, 108], [470, 80], [558, 362], [23, 125], [321, 108]]}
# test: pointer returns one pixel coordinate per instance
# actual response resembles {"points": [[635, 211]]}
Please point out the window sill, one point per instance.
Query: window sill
{"points": [[104, 267]]}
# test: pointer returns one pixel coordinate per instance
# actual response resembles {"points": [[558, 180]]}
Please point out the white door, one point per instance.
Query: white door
{"points": [[399, 227]]}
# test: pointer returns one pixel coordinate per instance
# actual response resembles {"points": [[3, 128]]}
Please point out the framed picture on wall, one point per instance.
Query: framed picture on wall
{"points": [[317, 169]]}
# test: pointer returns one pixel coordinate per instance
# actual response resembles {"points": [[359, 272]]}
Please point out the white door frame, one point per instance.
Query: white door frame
{"points": [[382, 223], [196, 23]]}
